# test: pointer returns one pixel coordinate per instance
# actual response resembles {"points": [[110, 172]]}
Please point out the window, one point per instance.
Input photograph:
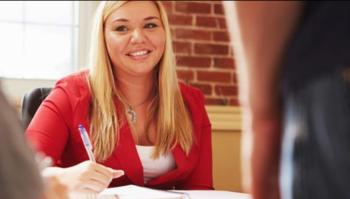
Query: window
{"points": [[39, 39]]}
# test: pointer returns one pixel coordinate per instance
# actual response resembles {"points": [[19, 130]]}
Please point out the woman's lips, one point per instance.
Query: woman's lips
{"points": [[139, 54]]}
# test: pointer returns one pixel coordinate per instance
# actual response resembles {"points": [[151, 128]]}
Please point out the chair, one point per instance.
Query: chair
{"points": [[31, 102]]}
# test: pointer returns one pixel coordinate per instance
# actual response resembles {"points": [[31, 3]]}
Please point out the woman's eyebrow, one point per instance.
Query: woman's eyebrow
{"points": [[126, 20], [120, 20], [150, 18]]}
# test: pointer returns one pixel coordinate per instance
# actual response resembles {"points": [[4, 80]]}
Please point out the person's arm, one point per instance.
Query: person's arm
{"points": [[49, 133], [260, 32], [202, 176]]}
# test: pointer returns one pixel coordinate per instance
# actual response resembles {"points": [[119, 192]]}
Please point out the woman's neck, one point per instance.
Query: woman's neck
{"points": [[135, 90]]}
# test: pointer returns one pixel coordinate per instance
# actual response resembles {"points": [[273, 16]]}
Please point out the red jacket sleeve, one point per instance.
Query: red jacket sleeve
{"points": [[202, 176], [49, 129]]}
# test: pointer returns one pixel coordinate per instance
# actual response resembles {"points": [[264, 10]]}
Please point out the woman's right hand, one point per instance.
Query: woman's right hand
{"points": [[87, 176]]}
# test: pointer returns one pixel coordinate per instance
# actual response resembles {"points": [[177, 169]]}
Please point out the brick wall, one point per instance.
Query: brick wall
{"points": [[202, 48]]}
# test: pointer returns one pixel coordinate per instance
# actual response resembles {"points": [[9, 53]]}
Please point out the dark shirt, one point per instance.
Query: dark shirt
{"points": [[321, 43], [316, 104]]}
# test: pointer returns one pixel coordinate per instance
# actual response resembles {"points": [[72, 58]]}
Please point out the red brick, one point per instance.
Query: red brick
{"points": [[205, 88], [185, 75], [224, 63], [212, 49], [234, 102], [168, 5], [203, 21], [221, 36], [223, 90], [192, 61], [180, 20], [182, 47], [216, 101], [234, 78], [218, 9], [192, 34], [214, 76], [193, 7], [202, 49], [222, 23]]}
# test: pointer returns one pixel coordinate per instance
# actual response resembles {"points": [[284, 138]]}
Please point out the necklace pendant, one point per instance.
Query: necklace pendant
{"points": [[132, 115]]}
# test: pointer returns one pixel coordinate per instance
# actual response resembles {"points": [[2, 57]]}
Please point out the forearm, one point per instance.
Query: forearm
{"points": [[260, 152], [260, 32], [265, 155]]}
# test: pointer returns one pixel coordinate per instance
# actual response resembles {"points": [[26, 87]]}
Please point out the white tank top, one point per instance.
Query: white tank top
{"points": [[153, 168]]}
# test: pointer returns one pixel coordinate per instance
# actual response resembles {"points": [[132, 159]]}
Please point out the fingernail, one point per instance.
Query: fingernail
{"points": [[118, 173]]}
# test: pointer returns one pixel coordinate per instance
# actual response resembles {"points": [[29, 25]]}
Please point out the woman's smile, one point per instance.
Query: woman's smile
{"points": [[138, 55]]}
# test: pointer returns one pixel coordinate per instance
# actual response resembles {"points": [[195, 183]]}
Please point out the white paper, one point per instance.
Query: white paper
{"points": [[137, 192], [213, 194]]}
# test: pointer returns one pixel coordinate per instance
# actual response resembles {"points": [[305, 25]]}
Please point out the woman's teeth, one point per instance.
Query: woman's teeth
{"points": [[139, 53]]}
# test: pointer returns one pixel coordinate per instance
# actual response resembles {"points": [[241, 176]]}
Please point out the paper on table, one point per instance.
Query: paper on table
{"points": [[206, 194], [137, 192]]}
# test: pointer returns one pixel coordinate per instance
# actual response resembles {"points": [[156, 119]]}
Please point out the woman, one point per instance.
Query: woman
{"points": [[140, 120]]}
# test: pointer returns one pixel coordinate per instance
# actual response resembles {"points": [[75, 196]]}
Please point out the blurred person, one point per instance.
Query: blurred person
{"points": [[140, 119], [19, 172], [293, 68]]}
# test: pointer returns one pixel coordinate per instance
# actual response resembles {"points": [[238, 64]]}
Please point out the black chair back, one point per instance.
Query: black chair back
{"points": [[31, 102]]}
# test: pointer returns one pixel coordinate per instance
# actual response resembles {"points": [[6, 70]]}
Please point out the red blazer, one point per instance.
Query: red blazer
{"points": [[54, 131]]}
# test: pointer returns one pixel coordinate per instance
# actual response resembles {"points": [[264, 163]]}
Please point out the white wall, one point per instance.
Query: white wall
{"points": [[16, 88]]}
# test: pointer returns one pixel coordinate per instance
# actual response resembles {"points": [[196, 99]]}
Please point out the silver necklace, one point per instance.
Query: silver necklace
{"points": [[132, 114], [131, 111]]}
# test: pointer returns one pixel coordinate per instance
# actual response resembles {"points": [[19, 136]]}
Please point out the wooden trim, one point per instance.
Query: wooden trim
{"points": [[225, 118]]}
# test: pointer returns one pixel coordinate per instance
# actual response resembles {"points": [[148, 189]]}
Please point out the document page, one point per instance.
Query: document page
{"points": [[137, 192], [207, 194]]}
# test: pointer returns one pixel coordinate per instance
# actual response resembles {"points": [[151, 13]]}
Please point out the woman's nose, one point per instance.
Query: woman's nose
{"points": [[138, 36]]}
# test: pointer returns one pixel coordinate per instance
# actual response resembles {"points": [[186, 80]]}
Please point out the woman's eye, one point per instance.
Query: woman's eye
{"points": [[150, 25], [121, 29]]}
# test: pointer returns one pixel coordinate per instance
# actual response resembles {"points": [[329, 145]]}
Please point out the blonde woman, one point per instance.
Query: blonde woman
{"points": [[146, 128]]}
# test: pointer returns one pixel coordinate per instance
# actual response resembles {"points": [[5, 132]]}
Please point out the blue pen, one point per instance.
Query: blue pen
{"points": [[87, 144]]}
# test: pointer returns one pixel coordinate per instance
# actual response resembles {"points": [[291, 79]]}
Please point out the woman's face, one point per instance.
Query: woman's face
{"points": [[135, 38]]}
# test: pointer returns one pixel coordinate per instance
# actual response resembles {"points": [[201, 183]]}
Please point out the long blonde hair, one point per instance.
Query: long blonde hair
{"points": [[172, 118]]}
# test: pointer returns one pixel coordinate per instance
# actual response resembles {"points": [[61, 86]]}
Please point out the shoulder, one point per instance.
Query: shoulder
{"points": [[75, 84], [78, 79], [72, 89], [71, 96]]}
